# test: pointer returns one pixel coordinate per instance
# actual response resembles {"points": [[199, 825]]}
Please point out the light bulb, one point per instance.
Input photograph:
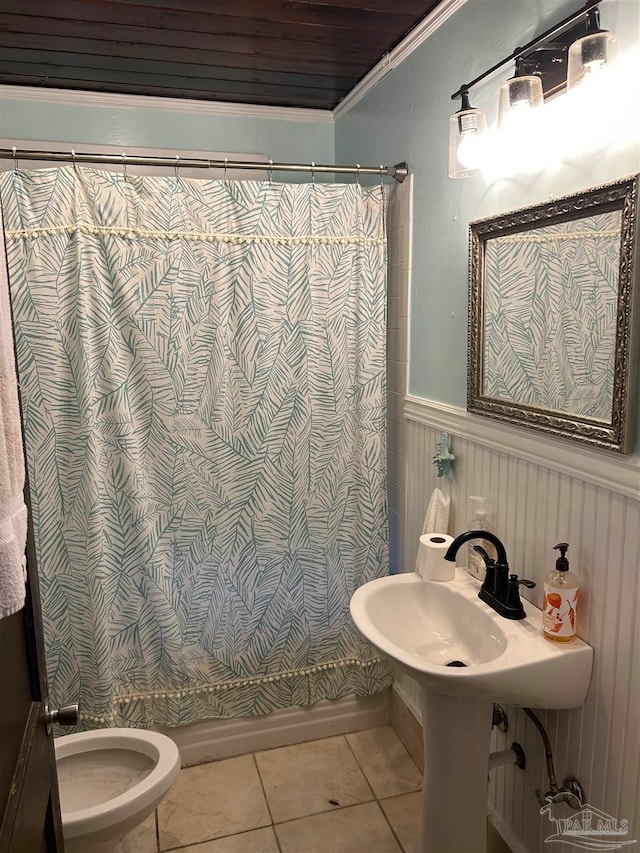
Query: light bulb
{"points": [[522, 104], [519, 97], [466, 132], [593, 53], [519, 120], [469, 152], [595, 67]]}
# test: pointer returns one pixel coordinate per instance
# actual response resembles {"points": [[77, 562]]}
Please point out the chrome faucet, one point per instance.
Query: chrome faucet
{"points": [[500, 590]]}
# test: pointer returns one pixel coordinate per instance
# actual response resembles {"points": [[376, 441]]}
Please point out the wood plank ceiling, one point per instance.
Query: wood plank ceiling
{"points": [[299, 53]]}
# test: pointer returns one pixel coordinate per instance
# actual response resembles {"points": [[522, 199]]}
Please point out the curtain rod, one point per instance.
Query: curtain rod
{"points": [[398, 172]]}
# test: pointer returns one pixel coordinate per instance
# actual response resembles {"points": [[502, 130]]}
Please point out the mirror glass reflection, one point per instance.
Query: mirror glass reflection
{"points": [[551, 298]]}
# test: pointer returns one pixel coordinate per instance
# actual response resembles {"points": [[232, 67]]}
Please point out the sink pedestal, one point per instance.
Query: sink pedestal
{"points": [[457, 742]]}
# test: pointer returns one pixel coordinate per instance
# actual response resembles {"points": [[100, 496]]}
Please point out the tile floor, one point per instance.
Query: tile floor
{"points": [[357, 793]]}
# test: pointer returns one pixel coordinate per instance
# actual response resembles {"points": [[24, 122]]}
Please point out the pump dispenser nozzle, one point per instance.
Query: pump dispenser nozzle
{"points": [[481, 509], [562, 564]]}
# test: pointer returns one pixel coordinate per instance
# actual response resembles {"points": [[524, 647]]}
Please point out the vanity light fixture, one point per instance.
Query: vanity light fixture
{"points": [[518, 96], [590, 55], [522, 96], [467, 129]]}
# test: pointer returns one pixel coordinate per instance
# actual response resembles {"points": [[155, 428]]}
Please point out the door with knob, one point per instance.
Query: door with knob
{"points": [[29, 802]]}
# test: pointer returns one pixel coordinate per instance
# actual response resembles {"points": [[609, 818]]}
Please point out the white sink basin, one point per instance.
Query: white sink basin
{"points": [[424, 625]]}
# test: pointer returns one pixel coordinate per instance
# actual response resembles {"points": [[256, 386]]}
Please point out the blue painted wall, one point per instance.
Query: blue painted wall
{"points": [[134, 128], [406, 116]]}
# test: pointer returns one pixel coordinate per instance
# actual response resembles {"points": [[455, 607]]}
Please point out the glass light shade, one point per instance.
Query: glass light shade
{"points": [[467, 129], [518, 96], [591, 55]]}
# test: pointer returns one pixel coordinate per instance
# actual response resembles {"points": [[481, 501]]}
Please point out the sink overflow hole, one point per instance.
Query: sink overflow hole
{"points": [[455, 663]]}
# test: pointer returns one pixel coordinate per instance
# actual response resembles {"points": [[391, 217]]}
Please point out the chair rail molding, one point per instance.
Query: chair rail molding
{"points": [[619, 474]]}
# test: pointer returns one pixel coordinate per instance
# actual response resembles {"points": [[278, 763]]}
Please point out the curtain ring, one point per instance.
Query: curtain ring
{"points": [[381, 174], [175, 168], [313, 173], [124, 166], [358, 174], [15, 158], [270, 171], [73, 160], [224, 176]]}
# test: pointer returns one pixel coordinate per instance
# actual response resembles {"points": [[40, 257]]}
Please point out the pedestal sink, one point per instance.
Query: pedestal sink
{"points": [[465, 657]]}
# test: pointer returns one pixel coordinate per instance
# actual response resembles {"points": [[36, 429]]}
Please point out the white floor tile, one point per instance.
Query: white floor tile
{"points": [[212, 800], [303, 779]]}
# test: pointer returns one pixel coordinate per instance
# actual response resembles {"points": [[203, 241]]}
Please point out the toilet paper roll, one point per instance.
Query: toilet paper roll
{"points": [[432, 565]]}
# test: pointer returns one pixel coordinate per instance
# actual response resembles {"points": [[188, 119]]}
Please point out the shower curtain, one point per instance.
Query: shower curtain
{"points": [[202, 368]]}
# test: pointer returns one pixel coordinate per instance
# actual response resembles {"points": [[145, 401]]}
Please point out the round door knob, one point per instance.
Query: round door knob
{"points": [[68, 715]]}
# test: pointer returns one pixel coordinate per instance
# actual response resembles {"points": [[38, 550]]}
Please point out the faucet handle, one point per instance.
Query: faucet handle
{"points": [[489, 578], [512, 597], [513, 592]]}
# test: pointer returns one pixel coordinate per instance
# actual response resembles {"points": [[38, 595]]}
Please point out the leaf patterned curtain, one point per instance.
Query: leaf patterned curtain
{"points": [[202, 367]]}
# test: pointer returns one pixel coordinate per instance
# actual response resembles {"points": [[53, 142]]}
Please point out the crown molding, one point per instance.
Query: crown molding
{"points": [[608, 470], [77, 97], [391, 60], [400, 52]]}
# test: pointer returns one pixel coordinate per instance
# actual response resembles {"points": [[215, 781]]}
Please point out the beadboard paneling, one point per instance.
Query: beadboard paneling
{"points": [[532, 507]]}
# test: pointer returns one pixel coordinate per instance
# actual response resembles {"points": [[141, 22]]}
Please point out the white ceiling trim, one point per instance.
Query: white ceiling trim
{"points": [[402, 51], [79, 97]]}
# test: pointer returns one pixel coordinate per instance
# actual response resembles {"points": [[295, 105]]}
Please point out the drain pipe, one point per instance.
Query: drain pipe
{"points": [[513, 755], [571, 791]]}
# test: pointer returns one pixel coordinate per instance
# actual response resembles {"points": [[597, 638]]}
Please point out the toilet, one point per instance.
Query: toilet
{"points": [[110, 780]]}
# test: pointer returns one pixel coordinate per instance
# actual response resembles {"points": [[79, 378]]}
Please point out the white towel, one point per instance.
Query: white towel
{"points": [[437, 517], [13, 512]]}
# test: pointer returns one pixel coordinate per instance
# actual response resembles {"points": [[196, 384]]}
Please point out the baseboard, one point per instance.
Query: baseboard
{"points": [[409, 729], [409, 691], [211, 740], [505, 833]]}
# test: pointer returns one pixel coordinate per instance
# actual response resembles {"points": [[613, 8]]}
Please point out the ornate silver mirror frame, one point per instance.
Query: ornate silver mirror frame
{"points": [[551, 336]]}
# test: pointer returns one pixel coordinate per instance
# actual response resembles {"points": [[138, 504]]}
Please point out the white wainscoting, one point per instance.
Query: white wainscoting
{"points": [[542, 491]]}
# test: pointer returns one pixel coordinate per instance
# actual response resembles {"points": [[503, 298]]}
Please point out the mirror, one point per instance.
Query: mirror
{"points": [[551, 293]]}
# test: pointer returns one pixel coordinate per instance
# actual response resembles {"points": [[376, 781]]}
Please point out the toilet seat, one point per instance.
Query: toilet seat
{"points": [[142, 796]]}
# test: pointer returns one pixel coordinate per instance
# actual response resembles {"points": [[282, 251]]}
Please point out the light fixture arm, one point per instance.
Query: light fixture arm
{"points": [[593, 21], [519, 72], [590, 9], [464, 95]]}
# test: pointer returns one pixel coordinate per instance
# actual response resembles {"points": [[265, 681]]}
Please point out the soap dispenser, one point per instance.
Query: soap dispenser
{"points": [[560, 600], [475, 563]]}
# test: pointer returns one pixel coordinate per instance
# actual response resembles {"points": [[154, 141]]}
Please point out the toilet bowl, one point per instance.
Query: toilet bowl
{"points": [[110, 780]]}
